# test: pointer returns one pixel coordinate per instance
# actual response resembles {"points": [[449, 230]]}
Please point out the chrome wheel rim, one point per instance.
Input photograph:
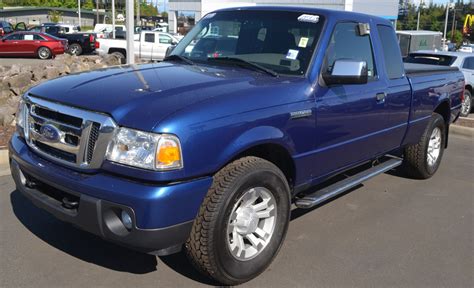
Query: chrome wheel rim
{"points": [[251, 223], [44, 53], [466, 105], [74, 50], [434, 146]]}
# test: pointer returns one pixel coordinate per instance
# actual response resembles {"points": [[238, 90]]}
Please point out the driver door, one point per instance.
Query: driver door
{"points": [[350, 117], [11, 45]]}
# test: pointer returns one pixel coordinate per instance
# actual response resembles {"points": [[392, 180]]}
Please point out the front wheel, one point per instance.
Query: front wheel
{"points": [[44, 53], [242, 221], [466, 104], [423, 159]]}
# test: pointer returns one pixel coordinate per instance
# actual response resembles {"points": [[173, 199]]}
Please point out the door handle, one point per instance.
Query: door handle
{"points": [[380, 97]]}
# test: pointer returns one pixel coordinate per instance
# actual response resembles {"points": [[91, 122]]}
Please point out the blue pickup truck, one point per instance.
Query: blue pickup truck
{"points": [[254, 110]]}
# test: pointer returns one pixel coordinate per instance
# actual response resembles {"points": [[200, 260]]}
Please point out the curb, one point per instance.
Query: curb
{"points": [[4, 165], [461, 130]]}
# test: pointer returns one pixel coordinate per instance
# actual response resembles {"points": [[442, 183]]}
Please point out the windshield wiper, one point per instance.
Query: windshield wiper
{"points": [[242, 62], [176, 57]]}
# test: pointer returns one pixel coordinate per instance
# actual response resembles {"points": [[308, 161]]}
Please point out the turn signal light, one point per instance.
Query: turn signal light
{"points": [[168, 155]]}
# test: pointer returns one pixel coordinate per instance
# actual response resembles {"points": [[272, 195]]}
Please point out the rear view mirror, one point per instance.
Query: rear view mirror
{"points": [[345, 71]]}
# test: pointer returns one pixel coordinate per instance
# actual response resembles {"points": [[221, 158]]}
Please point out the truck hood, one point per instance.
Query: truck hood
{"points": [[140, 96]]}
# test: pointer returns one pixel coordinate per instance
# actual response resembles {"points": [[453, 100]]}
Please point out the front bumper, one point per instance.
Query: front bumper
{"points": [[162, 215]]}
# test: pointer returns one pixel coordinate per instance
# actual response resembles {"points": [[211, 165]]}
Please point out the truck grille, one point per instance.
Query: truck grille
{"points": [[68, 135]]}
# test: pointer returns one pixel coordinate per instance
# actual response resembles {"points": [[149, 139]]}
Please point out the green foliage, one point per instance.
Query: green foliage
{"points": [[458, 38], [88, 4], [147, 9], [54, 16], [164, 14]]}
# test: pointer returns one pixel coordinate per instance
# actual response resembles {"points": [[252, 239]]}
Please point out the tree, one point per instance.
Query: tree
{"points": [[164, 14], [54, 16], [89, 5], [457, 37]]}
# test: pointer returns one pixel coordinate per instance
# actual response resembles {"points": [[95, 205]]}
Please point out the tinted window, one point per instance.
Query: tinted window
{"points": [[346, 43], [165, 39], [282, 41], [469, 63], [430, 59], [149, 37], [15, 37], [391, 52]]}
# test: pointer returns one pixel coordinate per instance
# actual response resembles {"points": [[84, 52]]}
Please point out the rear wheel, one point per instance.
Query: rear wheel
{"points": [[242, 221], [422, 160], [44, 53], [466, 104], [75, 49], [120, 56]]}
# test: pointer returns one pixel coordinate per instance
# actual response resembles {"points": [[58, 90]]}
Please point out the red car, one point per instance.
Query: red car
{"points": [[32, 44]]}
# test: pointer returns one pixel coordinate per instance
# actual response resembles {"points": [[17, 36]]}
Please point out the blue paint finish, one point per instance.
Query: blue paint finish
{"points": [[155, 205], [220, 111]]}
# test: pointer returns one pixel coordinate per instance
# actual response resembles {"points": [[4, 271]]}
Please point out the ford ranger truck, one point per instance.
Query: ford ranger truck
{"points": [[254, 110]]}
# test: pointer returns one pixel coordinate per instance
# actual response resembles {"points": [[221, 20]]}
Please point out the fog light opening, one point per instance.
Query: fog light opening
{"points": [[126, 220]]}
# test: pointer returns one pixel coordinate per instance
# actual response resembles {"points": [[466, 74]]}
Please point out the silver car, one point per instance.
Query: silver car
{"points": [[465, 63]]}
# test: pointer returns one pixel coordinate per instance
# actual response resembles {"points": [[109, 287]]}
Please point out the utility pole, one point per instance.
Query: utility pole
{"points": [[97, 11], [130, 7], [79, 11]]}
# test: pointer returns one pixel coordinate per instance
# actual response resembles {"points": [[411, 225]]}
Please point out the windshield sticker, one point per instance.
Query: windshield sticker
{"points": [[292, 54], [303, 42], [309, 18]]}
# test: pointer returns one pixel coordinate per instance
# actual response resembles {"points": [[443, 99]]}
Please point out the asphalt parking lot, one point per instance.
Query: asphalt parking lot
{"points": [[389, 232]]}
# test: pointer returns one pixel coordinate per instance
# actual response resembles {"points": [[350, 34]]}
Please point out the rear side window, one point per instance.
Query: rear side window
{"points": [[150, 37], [469, 63], [346, 43], [391, 52], [15, 37]]}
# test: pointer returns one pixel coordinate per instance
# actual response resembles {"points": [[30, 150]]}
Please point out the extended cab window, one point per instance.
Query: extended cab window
{"points": [[391, 52], [150, 37], [281, 41], [346, 43], [469, 63]]}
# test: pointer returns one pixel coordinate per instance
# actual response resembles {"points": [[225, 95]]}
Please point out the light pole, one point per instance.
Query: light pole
{"points": [[79, 11], [130, 7], [113, 19], [419, 11], [448, 6]]}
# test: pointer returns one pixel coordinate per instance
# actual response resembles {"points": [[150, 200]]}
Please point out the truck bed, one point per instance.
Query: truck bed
{"points": [[413, 69]]}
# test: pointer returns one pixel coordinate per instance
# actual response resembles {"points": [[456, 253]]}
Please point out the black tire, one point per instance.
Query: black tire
{"points": [[416, 156], [75, 49], [467, 104], [208, 244], [44, 53], [122, 58]]}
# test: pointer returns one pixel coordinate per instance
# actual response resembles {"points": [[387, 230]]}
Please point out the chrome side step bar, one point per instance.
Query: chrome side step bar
{"points": [[318, 197]]}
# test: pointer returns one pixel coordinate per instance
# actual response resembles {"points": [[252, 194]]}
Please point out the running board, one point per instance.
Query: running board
{"points": [[337, 188]]}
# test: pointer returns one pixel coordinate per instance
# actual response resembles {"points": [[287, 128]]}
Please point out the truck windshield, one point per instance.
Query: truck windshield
{"points": [[280, 41]]}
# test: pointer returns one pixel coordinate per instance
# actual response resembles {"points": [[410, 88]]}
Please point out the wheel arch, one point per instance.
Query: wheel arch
{"points": [[444, 109], [268, 143]]}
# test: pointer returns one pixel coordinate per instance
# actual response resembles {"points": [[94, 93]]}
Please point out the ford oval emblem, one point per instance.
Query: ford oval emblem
{"points": [[50, 133]]}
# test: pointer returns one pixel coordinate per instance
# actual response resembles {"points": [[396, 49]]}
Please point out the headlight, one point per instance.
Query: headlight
{"points": [[22, 118], [145, 150]]}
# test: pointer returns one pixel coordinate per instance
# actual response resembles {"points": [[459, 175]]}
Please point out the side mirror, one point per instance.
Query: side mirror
{"points": [[169, 50], [345, 71], [174, 42]]}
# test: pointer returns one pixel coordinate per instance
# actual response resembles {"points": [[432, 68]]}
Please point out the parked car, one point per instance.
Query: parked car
{"points": [[466, 49], [78, 43], [149, 45], [463, 61], [32, 44], [210, 152], [5, 28]]}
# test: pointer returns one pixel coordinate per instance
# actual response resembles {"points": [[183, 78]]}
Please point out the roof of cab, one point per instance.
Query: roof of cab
{"points": [[338, 14]]}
